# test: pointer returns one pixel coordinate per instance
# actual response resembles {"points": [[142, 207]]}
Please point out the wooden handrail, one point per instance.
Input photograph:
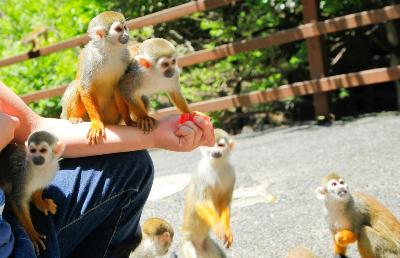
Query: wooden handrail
{"points": [[366, 77], [301, 32], [166, 15]]}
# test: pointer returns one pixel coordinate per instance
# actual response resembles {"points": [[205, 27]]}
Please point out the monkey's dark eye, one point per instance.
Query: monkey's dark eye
{"points": [[173, 61], [334, 183], [341, 182], [221, 145], [43, 150], [125, 28], [118, 29], [32, 150], [164, 65]]}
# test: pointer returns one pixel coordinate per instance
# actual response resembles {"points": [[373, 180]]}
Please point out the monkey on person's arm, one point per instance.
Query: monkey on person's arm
{"points": [[152, 70], [208, 200], [358, 217], [24, 172], [102, 62]]}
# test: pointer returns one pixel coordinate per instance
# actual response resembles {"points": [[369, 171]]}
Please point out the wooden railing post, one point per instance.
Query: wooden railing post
{"points": [[316, 57]]}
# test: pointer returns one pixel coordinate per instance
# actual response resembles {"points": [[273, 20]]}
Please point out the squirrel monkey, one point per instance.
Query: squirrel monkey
{"points": [[208, 199], [153, 69], [101, 64], [157, 236], [358, 217], [25, 172]]}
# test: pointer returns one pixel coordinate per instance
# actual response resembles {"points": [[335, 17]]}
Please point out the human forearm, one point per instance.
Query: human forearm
{"points": [[119, 138]]}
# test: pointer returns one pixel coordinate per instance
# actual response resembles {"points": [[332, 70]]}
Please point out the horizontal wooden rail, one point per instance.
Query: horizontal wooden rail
{"points": [[325, 84], [305, 31], [301, 32], [166, 15]]}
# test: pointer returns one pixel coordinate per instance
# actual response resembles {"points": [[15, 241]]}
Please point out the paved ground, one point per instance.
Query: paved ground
{"points": [[288, 163]]}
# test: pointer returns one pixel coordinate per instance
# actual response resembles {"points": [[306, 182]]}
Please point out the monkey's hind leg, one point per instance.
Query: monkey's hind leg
{"points": [[371, 244], [139, 109], [23, 215], [72, 105], [44, 205]]}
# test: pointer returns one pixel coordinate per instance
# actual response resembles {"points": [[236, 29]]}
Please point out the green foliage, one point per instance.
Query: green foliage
{"points": [[256, 70]]}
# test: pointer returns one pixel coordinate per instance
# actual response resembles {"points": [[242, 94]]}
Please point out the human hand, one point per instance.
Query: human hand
{"points": [[8, 124], [171, 135]]}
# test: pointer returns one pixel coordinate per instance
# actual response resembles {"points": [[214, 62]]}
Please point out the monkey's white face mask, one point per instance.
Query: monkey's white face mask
{"points": [[335, 190], [220, 150]]}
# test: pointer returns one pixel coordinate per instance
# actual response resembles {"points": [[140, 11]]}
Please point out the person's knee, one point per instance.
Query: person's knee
{"points": [[138, 169]]}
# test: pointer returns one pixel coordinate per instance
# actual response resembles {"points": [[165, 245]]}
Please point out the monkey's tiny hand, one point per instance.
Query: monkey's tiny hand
{"points": [[219, 231], [146, 124], [345, 237], [46, 206], [95, 132], [36, 239], [228, 238]]}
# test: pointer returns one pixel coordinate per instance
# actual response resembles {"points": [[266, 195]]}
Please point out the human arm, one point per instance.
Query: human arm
{"points": [[167, 135], [8, 124]]}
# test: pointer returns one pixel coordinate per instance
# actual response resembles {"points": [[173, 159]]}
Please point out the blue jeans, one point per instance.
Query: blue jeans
{"points": [[99, 202]]}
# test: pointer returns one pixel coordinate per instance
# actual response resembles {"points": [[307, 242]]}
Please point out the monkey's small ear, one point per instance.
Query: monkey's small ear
{"points": [[231, 143], [164, 237], [26, 144], [143, 61], [97, 32], [58, 149], [321, 192]]}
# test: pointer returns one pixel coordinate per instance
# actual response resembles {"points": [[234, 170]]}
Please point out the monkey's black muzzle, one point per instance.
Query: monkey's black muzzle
{"points": [[123, 39], [38, 160], [169, 73], [216, 154]]}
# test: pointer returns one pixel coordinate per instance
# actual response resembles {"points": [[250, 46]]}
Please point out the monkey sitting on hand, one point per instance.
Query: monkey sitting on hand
{"points": [[208, 200], [157, 236], [153, 69], [95, 91], [358, 218], [25, 172]]}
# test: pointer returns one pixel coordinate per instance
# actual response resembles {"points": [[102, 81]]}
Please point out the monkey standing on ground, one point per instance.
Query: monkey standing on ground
{"points": [[101, 64], [208, 200], [152, 70], [359, 217], [25, 172], [157, 236]]}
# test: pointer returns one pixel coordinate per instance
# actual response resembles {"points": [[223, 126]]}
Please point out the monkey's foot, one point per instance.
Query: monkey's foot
{"points": [[95, 132], [46, 206], [146, 124], [345, 237], [75, 120], [37, 240]]}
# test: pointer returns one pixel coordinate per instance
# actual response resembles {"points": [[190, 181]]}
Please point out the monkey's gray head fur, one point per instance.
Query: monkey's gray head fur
{"points": [[43, 147], [109, 25]]}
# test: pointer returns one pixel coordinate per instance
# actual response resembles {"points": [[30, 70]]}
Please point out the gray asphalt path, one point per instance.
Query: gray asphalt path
{"points": [[288, 163]]}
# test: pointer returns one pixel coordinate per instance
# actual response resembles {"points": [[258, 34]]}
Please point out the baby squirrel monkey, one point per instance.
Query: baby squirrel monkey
{"points": [[208, 199], [25, 172], [153, 69], [358, 217], [101, 64], [157, 236]]}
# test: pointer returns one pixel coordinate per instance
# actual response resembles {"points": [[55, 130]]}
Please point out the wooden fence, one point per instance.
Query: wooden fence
{"points": [[311, 31]]}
